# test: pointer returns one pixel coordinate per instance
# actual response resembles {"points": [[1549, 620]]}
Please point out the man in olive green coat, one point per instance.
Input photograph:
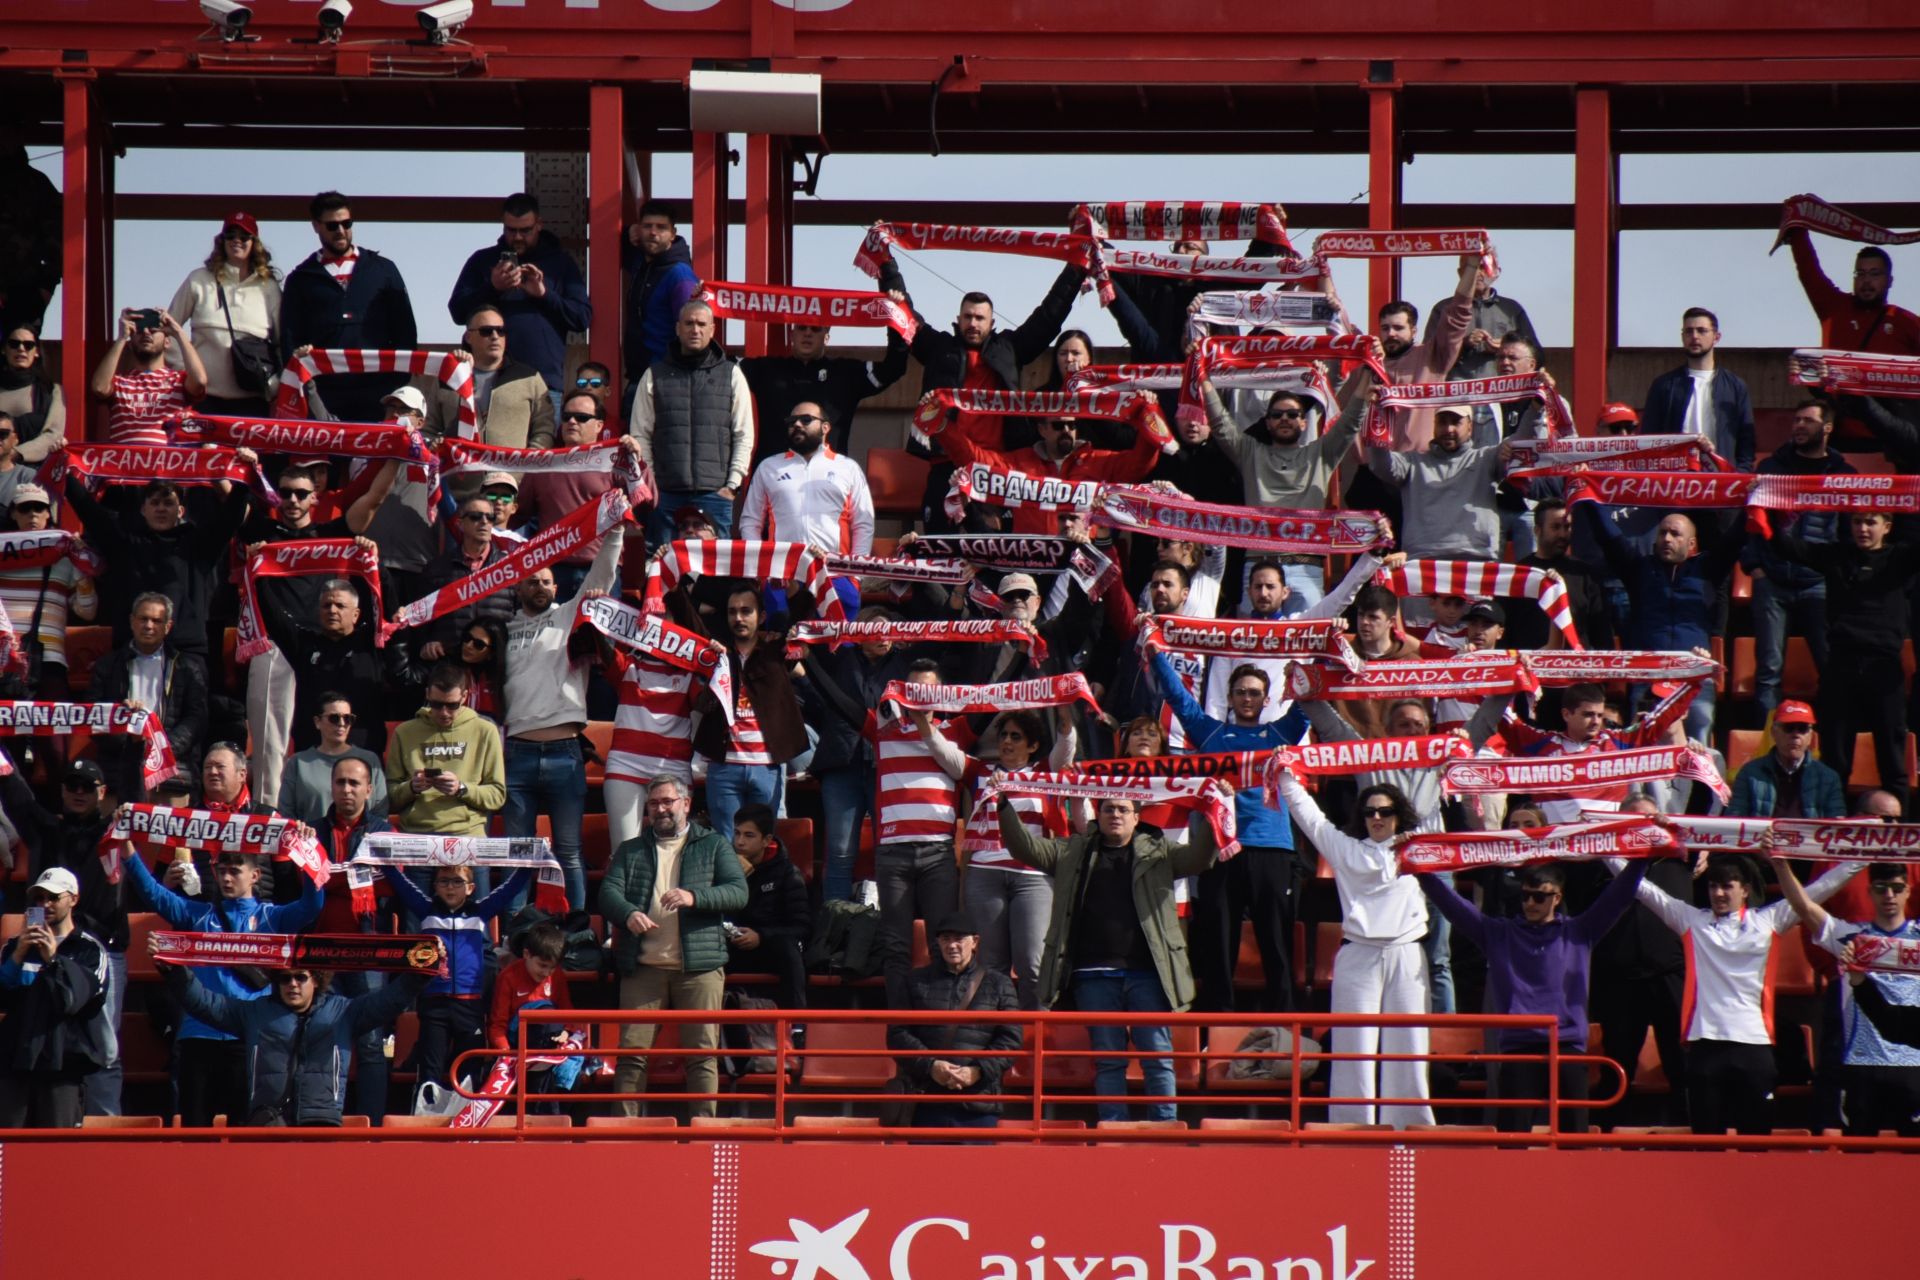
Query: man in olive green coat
{"points": [[665, 894], [1115, 935]]}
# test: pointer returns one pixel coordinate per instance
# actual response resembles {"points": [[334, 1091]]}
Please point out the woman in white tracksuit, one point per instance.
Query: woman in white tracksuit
{"points": [[1382, 968]]}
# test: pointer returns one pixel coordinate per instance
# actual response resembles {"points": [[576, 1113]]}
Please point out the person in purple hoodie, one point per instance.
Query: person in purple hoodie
{"points": [[1538, 963]]}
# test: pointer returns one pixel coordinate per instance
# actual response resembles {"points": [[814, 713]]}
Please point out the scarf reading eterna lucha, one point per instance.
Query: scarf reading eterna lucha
{"points": [[215, 832], [40, 719], [310, 557], [1562, 842], [550, 544], [1812, 839], [389, 953], [823, 308]]}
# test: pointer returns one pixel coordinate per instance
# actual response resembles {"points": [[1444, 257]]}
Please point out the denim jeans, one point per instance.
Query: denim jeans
{"points": [[1135, 991], [1775, 607], [550, 777], [1306, 583], [660, 523], [1438, 947], [846, 797], [101, 1090], [372, 1071], [1517, 527], [731, 787]]}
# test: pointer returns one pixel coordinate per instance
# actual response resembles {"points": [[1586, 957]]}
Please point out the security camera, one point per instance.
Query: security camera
{"points": [[442, 22], [333, 16], [228, 17]]}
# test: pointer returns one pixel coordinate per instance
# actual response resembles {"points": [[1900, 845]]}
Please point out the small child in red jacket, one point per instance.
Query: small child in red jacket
{"points": [[534, 976]]}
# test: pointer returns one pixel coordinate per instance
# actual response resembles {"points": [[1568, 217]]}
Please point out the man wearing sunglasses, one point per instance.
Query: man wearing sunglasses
{"points": [[474, 548], [837, 384], [1788, 782], [812, 493], [532, 283], [343, 296], [53, 987], [510, 395]]}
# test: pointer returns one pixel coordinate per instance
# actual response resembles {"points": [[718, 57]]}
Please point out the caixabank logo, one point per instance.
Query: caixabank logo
{"points": [[950, 1248]]}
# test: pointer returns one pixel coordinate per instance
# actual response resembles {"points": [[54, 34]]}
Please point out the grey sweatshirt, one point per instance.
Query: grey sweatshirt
{"points": [[1297, 475], [1447, 510]]}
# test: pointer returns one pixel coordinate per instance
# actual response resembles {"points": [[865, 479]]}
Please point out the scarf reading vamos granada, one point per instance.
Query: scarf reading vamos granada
{"points": [[986, 699], [823, 308], [1588, 773], [1276, 530], [545, 547], [945, 631], [1562, 842], [1302, 640], [215, 832], [328, 557], [754, 561], [391, 953], [139, 463], [1477, 579], [1813, 213], [1499, 390], [1185, 795], [1853, 373], [35, 719], [454, 369], [1481, 675]]}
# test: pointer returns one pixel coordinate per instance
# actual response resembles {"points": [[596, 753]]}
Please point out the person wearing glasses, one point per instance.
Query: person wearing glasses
{"points": [[235, 293], [837, 384], [446, 772], [1059, 455], [474, 548], [593, 378], [290, 610], [306, 781], [532, 283], [1788, 782], [39, 601], [150, 671], [549, 496], [345, 297], [511, 396], [811, 493], [28, 395]]}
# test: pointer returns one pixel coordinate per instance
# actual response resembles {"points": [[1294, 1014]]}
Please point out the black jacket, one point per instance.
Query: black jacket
{"points": [[349, 665], [372, 312], [1813, 527], [184, 563], [183, 708], [451, 566], [841, 685], [1527, 625], [777, 903], [537, 328], [56, 1023], [934, 987], [836, 383], [58, 840], [944, 357], [1866, 590]]}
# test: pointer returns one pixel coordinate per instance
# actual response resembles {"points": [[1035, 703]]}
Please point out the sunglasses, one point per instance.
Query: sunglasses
{"points": [[489, 331], [438, 705], [339, 717], [803, 420], [1539, 895], [589, 382], [1890, 887], [342, 224], [234, 233], [477, 517], [31, 506], [21, 344], [501, 495], [478, 642], [576, 416], [1286, 413], [6, 433], [295, 979], [1795, 729], [296, 495], [80, 786], [1378, 811]]}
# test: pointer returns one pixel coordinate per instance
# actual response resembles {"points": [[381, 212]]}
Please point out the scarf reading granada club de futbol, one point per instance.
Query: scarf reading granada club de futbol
{"points": [[986, 699], [1498, 390], [1561, 842], [1298, 639], [945, 631]]}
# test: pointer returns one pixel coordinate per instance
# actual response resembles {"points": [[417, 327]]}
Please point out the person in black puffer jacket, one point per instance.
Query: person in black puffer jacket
{"points": [[769, 934], [956, 981]]}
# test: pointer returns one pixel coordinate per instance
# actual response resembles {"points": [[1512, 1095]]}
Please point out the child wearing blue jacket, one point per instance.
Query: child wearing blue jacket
{"points": [[452, 1014]]}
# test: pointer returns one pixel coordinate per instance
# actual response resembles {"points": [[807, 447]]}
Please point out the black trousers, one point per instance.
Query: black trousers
{"points": [[781, 957], [1261, 885], [1882, 1098], [1529, 1080], [210, 1079], [40, 1100], [1627, 1008], [1730, 1086], [448, 1028], [1868, 700], [917, 881]]}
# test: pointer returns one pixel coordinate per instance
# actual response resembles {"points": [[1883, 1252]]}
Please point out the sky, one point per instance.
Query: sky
{"points": [[1661, 273]]}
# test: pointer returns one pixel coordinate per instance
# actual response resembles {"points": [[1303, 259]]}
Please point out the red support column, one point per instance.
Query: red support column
{"points": [[606, 210], [769, 228], [76, 287], [1594, 232], [1383, 191], [710, 205]]}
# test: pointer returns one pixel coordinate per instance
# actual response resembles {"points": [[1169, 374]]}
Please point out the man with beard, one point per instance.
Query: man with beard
{"points": [[1700, 399], [659, 267], [1527, 625], [1450, 511], [1864, 319], [836, 384], [1059, 454], [812, 493]]}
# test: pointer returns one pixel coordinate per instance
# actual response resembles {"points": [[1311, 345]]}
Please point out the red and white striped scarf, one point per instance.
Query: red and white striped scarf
{"points": [[986, 699], [304, 438], [340, 268], [1274, 639], [41, 548], [308, 557], [1497, 390], [650, 636], [39, 719], [1815, 214], [215, 832], [1533, 457], [1853, 373], [1276, 530], [603, 457], [1561, 842], [824, 308], [393, 849], [1587, 774], [1471, 675], [1875, 954], [1183, 795], [140, 463], [757, 562], [945, 631], [453, 368], [552, 543], [1559, 667], [1484, 579], [1175, 220]]}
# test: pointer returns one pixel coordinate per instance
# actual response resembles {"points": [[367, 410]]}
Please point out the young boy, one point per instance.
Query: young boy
{"points": [[451, 1015], [533, 978], [768, 935]]}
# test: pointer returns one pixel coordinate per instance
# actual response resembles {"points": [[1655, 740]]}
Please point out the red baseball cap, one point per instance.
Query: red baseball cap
{"points": [[244, 221], [1793, 713], [1611, 414]]}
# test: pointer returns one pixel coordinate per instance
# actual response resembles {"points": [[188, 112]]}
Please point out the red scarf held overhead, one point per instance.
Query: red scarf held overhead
{"points": [[986, 699], [604, 457], [1556, 668], [1301, 640], [1534, 458], [1473, 391], [304, 438], [454, 369], [1562, 842], [946, 631], [876, 250], [1262, 375], [398, 849], [651, 637], [1265, 349], [300, 558], [1136, 409], [1363, 243], [217, 829], [43, 548], [1689, 490], [1175, 220], [140, 463], [1815, 214], [1587, 774], [1854, 373], [1242, 768], [823, 308], [1229, 270], [31, 719], [1482, 675], [999, 485], [1275, 530], [1814, 839], [1184, 795]]}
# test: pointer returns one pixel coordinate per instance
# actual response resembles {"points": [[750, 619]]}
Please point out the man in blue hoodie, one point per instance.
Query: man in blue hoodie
{"points": [[660, 281], [1263, 881], [533, 283]]}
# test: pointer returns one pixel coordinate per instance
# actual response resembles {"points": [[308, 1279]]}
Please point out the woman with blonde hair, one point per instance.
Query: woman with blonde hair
{"points": [[235, 294]]}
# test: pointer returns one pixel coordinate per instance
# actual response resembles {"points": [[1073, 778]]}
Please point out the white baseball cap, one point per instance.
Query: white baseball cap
{"points": [[408, 397], [58, 880]]}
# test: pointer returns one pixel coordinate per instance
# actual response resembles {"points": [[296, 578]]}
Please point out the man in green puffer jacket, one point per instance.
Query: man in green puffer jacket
{"points": [[1116, 936], [665, 893]]}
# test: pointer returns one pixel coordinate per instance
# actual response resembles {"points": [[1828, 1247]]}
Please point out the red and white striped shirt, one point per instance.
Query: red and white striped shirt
{"points": [[142, 402], [914, 799], [746, 745], [653, 725], [1041, 815], [341, 268]]}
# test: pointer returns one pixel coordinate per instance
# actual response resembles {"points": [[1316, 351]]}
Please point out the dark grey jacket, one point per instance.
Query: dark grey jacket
{"points": [[693, 420], [934, 987]]}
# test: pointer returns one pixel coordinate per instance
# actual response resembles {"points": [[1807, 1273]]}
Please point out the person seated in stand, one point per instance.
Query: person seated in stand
{"points": [[957, 981], [769, 934], [533, 977], [306, 781], [1787, 782], [297, 1042]]}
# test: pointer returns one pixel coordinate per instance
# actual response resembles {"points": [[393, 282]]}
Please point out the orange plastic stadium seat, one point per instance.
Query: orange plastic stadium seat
{"points": [[796, 837], [600, 734], [1064, 1075], [897, 480], [1225, 1123], [504, 1119], [140, 966], [85, 646], [596, 842], [1742, 746], [122, 1122], [1866, 764], [1186, 1071], [633, 1122], [822, 1068]]}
